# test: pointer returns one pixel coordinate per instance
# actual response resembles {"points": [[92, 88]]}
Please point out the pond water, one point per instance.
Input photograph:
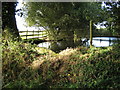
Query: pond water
{"points": [[97, 42], [103, 41]]}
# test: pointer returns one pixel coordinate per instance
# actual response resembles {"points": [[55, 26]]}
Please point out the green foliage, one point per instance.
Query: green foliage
{"points": [[16, 58], [61, 18], [79, 67], [62, 15], [102, 70], [113, 16]]}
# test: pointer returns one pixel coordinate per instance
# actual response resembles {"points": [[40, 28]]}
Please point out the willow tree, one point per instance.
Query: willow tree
{"points": [[54, 17], [9, 26], [62, 20]]}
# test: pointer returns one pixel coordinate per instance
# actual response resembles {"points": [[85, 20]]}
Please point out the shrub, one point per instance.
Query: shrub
{"points": [[16, 58], [79, 67]]}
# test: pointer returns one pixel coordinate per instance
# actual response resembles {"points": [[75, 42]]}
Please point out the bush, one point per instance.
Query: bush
{"points": [[79, 67], [16, 59]]}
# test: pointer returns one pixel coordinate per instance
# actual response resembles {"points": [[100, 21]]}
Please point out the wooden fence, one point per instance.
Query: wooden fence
{"points": [[43, 34], [33, 34]]}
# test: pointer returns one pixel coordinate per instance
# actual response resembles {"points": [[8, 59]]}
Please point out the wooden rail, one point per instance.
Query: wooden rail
{"points": [[33, 34], [42, 35], [29, 31]]}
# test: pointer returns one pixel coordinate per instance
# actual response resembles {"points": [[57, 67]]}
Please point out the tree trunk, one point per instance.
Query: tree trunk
{"points": [[9, 26]]}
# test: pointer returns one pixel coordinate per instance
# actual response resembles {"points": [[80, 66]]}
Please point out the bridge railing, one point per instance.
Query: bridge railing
{"points": [[33, 34]]}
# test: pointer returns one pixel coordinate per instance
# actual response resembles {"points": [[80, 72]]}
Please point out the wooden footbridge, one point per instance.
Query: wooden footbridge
{"points": [[38, 36], [33, 34]]}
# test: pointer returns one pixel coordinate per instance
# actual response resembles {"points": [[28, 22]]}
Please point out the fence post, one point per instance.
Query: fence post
{"points": [[91, 33], [26, 33], [33, 33], [38, 33]]}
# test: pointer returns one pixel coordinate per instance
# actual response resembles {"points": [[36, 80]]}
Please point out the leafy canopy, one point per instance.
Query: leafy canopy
{"points": [[70, 15]]}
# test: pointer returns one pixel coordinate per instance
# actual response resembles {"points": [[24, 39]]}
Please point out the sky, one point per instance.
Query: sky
{"points": [[20, 21], [21, 24]]}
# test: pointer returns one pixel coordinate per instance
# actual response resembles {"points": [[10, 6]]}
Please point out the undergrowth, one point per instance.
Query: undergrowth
{"points": [[28, 66]]}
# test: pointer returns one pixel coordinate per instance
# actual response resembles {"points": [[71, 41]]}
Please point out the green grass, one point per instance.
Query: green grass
{"points": [[28, 66]]}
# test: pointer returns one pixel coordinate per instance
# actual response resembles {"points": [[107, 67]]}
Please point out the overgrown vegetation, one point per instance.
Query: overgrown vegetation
{"points": [[25, 65], [28, 66]]}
